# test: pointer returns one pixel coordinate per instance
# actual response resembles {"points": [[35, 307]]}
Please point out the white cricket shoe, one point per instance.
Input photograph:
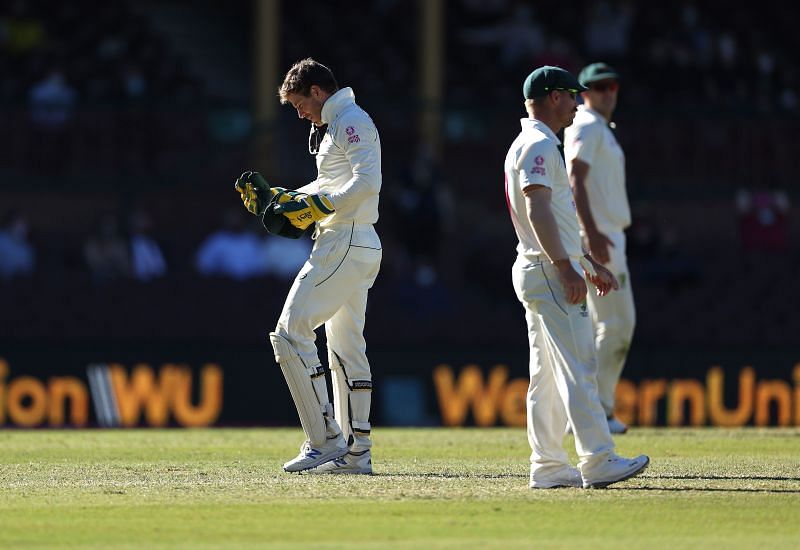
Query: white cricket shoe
{"points": [[616, 426], [359, 462], [614, 469], [565, 477], [312, 456]]}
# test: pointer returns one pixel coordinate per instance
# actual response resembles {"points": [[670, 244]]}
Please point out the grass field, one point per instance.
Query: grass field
{"points": [[465, 488]]}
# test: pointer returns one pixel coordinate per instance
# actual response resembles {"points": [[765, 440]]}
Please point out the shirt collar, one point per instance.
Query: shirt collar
{"points": [[336, 103], [591, 111], [598, 116], [529, 124]]}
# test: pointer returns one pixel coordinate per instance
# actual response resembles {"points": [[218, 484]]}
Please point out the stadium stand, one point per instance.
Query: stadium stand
{"points": [[705, 110]]}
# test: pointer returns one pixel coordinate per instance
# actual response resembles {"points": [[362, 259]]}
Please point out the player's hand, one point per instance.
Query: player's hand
{"points": [[255, 192], [603, 280], [303, 210], [574, 285], [599, 246]]}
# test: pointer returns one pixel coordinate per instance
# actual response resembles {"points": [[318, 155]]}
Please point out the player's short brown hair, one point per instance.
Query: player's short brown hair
{"points": [[304, 74]]}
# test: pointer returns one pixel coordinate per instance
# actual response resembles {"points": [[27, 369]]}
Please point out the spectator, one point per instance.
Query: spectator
{"points": [[232, 251], [519, 36], [106, 251], [763, 220], [425, 209], [608, 28], [52, 101], [147, 260], [17, 255], [134, 82]]}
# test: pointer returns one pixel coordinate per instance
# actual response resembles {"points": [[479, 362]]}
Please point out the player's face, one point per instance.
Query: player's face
{"points": [[566, 106], [309, 107], [603, 95]]}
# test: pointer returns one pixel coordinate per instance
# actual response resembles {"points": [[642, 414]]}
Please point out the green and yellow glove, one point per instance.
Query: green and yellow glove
{"points": [[255, 192], [303, 210]]}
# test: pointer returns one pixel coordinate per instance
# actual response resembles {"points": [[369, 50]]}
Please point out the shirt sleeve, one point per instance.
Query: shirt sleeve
{"points": [[582, 142], [309, 188], [535, 165], [358, 138]]}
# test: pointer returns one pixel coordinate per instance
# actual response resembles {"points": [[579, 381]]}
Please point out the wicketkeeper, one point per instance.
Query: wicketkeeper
{"points": [[332, 286]]}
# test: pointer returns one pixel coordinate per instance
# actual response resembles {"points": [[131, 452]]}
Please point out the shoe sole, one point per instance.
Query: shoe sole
{"points": [[319, 462], [340, 472], [604, 484], [558, 487]]}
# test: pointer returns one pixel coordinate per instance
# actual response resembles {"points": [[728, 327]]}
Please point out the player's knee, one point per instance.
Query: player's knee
{"points": [[291, 332]]}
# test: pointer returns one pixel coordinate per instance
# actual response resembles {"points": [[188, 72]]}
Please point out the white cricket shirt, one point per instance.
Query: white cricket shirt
{"points": [[591, 140], [534, 159], [348, 162]]}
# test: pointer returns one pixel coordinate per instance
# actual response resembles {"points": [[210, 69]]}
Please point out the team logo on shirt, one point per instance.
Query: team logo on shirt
{"points": [[539, 169], [352, 137]]}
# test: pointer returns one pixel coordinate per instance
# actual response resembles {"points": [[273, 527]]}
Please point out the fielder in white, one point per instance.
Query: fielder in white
{"points": [[332, 286], [549, 278], [596, 168]]}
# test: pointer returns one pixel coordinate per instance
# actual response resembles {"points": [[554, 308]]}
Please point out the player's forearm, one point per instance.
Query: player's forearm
{"points": [[581, 196], [578, 180], [546, 228]]}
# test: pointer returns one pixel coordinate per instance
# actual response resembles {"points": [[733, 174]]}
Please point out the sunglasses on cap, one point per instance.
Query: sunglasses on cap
{"points": [[570, 90], [607, 86]]}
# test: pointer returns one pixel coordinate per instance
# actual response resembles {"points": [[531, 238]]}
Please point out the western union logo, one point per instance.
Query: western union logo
{"points": [[119, 397], [496, 399]]}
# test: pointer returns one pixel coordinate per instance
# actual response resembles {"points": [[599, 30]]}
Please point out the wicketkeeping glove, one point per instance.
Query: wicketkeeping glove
{"points": [[255, 192], [278, 224], [303, 210]]}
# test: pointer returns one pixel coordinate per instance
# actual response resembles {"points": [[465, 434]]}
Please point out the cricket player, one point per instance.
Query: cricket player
{"points": [[549, 277], [596, 168], [331, 288]]}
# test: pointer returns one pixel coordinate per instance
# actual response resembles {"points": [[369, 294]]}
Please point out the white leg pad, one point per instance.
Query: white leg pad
{"points": [[299, 379], [341, 395], [360, 401], [352, 401]]}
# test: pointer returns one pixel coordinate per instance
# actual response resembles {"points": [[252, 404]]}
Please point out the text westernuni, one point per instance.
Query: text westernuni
{"points": [[496, 399]]}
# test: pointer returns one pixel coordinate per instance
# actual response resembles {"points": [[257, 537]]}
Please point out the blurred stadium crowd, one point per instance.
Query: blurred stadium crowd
{"points": [[120, 147]]}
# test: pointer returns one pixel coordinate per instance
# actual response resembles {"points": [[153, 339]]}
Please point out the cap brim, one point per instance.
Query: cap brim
{"points": [[576, 86], [601, 76]]}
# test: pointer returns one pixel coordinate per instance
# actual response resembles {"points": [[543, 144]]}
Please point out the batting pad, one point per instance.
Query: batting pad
{"points": [[352, 400], [298, 377], [341, 395]]}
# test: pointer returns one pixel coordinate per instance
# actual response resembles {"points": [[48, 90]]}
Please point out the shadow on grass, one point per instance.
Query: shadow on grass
{"points": [[447, 475], [705, 489], [732, 478]]}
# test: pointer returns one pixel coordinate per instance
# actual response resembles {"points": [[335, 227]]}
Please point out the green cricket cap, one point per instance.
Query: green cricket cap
{"points": [[597, 72], [548, 78]]}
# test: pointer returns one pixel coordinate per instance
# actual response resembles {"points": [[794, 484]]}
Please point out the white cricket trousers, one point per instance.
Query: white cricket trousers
{"points": [[562, 371], [614, 317], [331, 288]]}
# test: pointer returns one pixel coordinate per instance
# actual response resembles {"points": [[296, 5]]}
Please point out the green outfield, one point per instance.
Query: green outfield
{"points": [[433, 488]]}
